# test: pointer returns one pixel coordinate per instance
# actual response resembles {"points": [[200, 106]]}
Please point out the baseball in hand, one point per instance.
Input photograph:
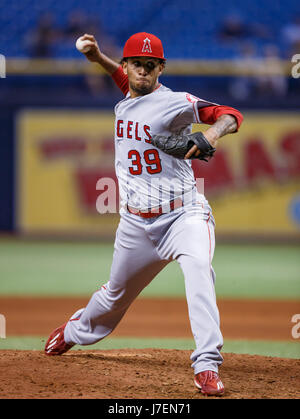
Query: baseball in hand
{"points": [[83, 45]]}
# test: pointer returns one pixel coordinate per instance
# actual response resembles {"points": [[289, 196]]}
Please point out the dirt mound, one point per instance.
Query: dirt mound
{"points": [[139, 374]]}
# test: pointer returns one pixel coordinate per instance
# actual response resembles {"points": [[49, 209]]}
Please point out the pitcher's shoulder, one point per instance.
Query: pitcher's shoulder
{"points": [[121, 102], [176, 96]]}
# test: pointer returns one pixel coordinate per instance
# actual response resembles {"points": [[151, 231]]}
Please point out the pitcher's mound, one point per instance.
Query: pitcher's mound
{"points": [[140, 374]]}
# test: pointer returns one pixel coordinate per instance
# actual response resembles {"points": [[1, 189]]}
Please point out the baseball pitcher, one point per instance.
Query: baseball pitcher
{"points": [[163, 216]]}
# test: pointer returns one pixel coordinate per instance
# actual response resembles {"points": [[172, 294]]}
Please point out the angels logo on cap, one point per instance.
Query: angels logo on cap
{"points": [[147, 45], [143, 44]]}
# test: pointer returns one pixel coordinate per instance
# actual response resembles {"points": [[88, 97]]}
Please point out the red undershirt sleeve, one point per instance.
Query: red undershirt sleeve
{"points": [[210, 114], [121, 80]]}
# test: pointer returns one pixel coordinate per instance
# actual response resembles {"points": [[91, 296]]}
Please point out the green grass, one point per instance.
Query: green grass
{"points": [[62, 268], [265, 348], [265, 271]]}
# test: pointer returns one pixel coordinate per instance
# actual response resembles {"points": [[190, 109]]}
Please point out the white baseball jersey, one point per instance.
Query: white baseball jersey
{"points": [[148, 177]]}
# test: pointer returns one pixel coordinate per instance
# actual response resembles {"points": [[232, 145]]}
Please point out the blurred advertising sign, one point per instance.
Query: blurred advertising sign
{"points": [[61, 156], [252, 183]]}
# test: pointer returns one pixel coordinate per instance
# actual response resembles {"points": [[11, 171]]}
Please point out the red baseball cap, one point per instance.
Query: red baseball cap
{"points": [[143, 44]]}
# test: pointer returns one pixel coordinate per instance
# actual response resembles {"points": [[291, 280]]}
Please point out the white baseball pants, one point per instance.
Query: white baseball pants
{"points": [[143, 247]]}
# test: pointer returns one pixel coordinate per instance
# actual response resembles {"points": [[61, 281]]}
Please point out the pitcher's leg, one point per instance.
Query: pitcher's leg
{"points": [[108, 305], [193, 240], [135, 264], [203, 314]]}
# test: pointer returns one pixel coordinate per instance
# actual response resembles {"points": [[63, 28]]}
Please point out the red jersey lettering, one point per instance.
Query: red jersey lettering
{"points": [[146, 130], [120, 128], [129, 129]]}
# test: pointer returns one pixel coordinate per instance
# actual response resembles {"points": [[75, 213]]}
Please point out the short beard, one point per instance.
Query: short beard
{"points": [[142, 91]]}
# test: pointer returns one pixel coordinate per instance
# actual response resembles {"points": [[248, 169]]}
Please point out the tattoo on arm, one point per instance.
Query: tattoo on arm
{"points": [[225, 124]]}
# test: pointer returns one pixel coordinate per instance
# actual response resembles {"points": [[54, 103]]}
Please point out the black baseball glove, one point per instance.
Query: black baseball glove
{"points": [[178, 145]]}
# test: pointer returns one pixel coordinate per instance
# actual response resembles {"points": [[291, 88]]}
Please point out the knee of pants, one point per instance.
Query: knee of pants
{"points": [[196, 263], [114, 300]]}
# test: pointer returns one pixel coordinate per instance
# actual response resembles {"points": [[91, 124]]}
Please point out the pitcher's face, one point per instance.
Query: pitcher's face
{"points": [[143, 73]]}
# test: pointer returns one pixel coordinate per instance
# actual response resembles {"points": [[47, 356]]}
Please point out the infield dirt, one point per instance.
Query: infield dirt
{"points": [[145, 373], [155, 317]]}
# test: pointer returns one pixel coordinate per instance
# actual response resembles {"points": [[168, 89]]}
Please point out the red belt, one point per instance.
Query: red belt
{"points": [[155, 212]]}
